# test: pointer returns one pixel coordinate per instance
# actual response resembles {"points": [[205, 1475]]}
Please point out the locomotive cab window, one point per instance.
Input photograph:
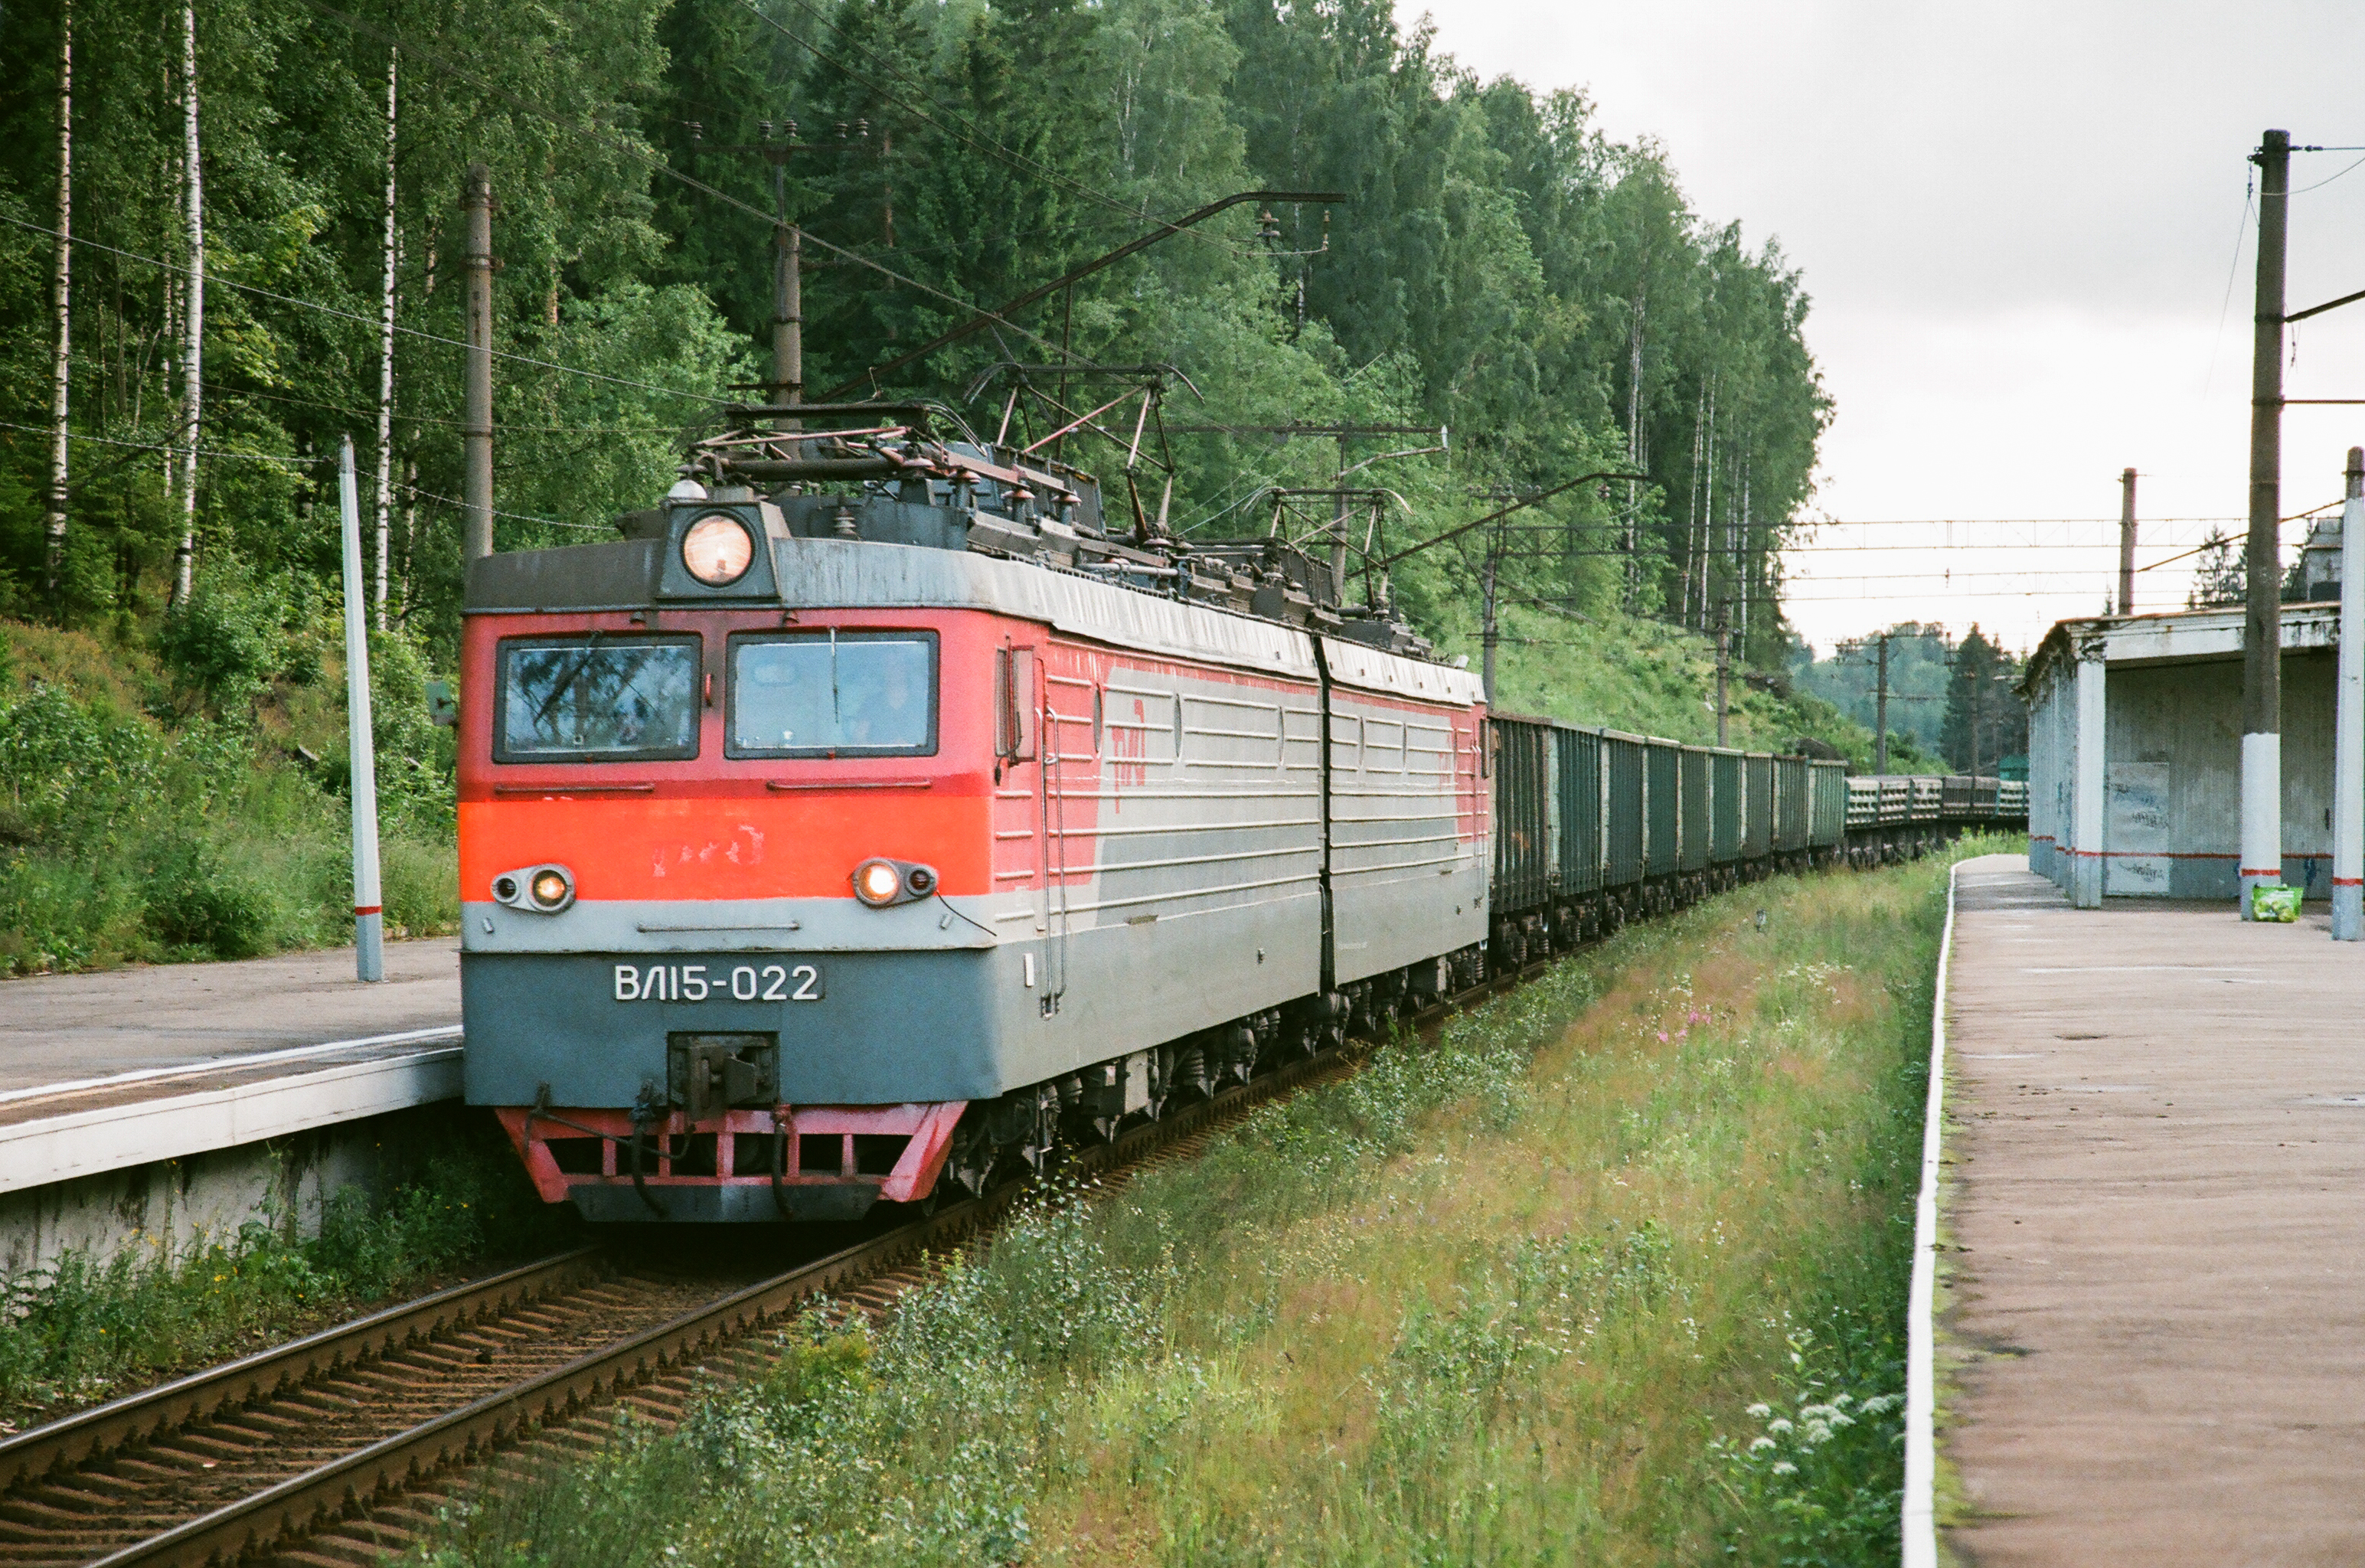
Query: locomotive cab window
{"points": [[597, 699], [833, 694]]}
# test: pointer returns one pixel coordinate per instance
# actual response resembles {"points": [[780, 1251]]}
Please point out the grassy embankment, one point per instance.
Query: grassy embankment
{"points": [[1614, 1272], [88, 1329], [1650, 677], [157, 802]]}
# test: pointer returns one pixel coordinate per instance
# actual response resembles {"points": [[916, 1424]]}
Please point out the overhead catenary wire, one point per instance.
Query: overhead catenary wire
{"points": [[159, 446], [649, 159], [213, 277]]}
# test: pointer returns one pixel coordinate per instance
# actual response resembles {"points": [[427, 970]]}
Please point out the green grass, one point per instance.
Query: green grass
{"points": [[1614, 1272], [87, 1329], [147, 819], [1644, 676]]}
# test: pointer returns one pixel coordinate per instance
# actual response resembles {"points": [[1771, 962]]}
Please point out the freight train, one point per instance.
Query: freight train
{"points": [[877, 815]]}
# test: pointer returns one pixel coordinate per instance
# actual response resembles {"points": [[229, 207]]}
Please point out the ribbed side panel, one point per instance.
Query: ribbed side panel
{"points": [[1724, 808], [1579, 781], [1695, 809], [1663, 805], [1623, 850]]}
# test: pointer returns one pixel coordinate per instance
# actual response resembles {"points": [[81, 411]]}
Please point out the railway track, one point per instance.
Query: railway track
{"points": [[328, 1452]]}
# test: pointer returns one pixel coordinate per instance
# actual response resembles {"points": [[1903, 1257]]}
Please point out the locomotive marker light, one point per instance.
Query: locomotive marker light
{"points": [[880, 882], [537, 890], [717, 550]]}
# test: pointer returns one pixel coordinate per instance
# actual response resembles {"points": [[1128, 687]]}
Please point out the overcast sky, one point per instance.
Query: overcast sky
{"points": [[2017, 223]]}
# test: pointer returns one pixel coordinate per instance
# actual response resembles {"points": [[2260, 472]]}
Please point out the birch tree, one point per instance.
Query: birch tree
{"points": [[61, 365], [192, 314], [385, 356]]}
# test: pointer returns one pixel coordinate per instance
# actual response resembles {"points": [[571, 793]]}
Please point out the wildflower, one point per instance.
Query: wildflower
{"points": [[1780, 1425], [1759, 1412], [1786, 1468], [1760, 1445]]}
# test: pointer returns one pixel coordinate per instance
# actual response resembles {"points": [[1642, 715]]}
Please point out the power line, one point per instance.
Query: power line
{"points": [[960, 129], [657, 164], [370, 322], [154, 446]]}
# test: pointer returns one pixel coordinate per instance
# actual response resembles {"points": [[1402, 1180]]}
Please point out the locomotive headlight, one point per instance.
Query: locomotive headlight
{"points": [[879, 882], [717, 550], [550, 888]]}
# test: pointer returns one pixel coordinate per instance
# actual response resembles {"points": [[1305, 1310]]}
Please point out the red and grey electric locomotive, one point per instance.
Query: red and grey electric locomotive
{"points": [[870, 817]]}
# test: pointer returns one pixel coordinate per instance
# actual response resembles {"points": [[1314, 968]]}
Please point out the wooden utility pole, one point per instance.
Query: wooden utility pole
{"points": [[477, 432], [193, 316], [2261, 832], [62, 363], [2127, 543]]}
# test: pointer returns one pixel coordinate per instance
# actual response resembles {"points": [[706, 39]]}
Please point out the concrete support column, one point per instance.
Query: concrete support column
{"points": [[2261, 863], [2090, 788], [2349, 720]]}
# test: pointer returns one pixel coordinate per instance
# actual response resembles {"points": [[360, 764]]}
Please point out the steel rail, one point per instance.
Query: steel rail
{"points": [[283, 1515], [139, 1417]]}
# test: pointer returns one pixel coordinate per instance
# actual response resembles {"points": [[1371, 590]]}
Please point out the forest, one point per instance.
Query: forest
{"points": [[1954, 706], [231, 236]]}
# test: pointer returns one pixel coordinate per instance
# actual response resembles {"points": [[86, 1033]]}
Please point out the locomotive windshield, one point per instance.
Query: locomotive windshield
{"points": [[819, 693], [596, 699]]}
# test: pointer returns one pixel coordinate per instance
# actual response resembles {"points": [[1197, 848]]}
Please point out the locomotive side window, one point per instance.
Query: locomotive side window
{"points": [[594, 698], [833, 693]]}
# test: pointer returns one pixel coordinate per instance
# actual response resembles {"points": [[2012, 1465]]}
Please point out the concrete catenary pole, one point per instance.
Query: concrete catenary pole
{"points": [[1723, 672], [369, 919], [2349, 720], [2261, 863], [788, 288], [1880, 711], [1489, 633], [2127, 543], [477, 432]]}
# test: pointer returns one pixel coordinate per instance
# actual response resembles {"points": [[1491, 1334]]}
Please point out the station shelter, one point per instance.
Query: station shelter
{"points": [[2135, 753]]}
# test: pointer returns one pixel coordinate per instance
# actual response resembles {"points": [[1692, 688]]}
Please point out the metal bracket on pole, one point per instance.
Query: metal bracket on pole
{"points": [[369, 919]]}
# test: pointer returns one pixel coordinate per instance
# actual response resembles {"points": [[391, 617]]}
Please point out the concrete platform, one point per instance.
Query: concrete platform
{"points": [[106, 1071], [2156, 1302]]}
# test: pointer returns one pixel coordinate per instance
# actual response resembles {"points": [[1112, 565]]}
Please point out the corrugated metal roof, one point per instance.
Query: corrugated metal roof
{"points": [[834, 574], [1374, 669]]}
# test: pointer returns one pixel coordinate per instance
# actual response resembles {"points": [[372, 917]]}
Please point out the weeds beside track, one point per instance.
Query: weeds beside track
{"points": [[1613, 1270]]}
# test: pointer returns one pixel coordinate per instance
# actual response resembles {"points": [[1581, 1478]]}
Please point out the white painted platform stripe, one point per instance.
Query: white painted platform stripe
{"points": [[1921, 1523], [88, 1143], [218, 1064]]}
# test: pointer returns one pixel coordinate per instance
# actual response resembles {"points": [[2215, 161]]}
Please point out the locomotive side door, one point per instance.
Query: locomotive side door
{"points": [[1025, 801]]}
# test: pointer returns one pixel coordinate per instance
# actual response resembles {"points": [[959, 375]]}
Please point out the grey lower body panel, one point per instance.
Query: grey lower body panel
{"points": [[1385, 920], [889, 1027]]}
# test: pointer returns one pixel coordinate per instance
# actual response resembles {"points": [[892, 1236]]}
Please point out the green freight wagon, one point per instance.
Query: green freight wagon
{"points": [[1621, 838], [1827, 810], [1725, 812], [1757, 808], [1577, 782], [1694, 850], [1790, 804], [1662, 808]]}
